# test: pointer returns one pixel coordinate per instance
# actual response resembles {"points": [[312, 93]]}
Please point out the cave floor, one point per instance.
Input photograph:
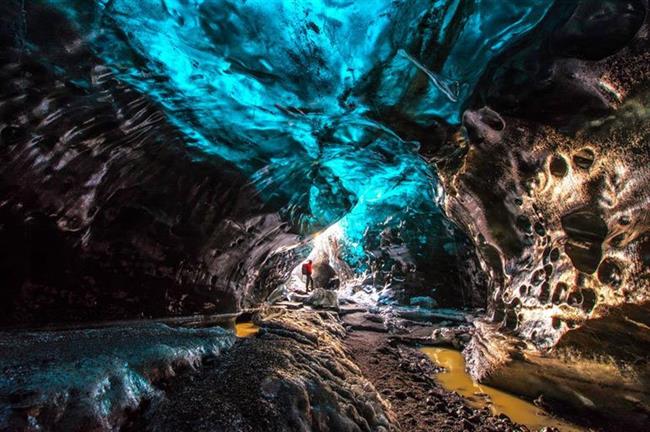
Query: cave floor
{"points": [[289, 370], [403, 376], [256, 386]]}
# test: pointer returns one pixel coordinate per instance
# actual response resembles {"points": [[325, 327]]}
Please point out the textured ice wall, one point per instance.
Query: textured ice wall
{"points": [[305, 97], [117, 121]]}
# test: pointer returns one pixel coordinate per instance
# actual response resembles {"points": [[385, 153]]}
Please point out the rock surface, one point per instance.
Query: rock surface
{"points": [[322, 298]]}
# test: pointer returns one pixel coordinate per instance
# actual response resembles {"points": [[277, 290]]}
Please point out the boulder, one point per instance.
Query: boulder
{"points": [[278, 294], [324, 276], [323, 299]]}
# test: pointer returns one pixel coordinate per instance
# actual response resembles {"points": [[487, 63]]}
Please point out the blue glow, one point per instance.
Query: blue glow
{"points": [[287, 89]]}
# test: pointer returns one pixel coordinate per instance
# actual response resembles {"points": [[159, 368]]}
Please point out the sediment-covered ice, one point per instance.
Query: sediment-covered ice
{"points": [[91, 379]]}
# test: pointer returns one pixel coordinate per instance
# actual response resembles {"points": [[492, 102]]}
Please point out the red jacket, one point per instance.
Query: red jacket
{"points": [[307, 268]]}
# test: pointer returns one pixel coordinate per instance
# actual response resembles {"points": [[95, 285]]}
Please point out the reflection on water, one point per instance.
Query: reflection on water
{"points": [[455, 378], [246, 329]]}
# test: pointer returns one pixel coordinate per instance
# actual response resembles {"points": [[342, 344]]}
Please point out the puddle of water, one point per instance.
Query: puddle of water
{"points": [[455, 378], [246, 329]]}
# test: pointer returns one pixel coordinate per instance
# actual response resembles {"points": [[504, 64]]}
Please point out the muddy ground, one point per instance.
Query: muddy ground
{"points": [[403, 376]]}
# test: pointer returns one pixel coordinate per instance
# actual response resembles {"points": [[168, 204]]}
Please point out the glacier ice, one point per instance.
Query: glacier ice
{"points": [[88, 379], [304, 96]]}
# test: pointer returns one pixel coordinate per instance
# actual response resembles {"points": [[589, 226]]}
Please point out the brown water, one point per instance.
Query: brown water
{"points": [[455, 378], [246, 329]]}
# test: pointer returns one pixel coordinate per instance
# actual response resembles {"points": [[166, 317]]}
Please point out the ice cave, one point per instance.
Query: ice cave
{"points": [[324, 215]]}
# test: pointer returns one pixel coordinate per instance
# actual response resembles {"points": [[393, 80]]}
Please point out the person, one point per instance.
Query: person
{"points": [[307, 269]]}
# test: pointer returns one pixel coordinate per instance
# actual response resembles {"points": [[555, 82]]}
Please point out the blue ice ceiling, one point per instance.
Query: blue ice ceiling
{"points": [[292, 91]]}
